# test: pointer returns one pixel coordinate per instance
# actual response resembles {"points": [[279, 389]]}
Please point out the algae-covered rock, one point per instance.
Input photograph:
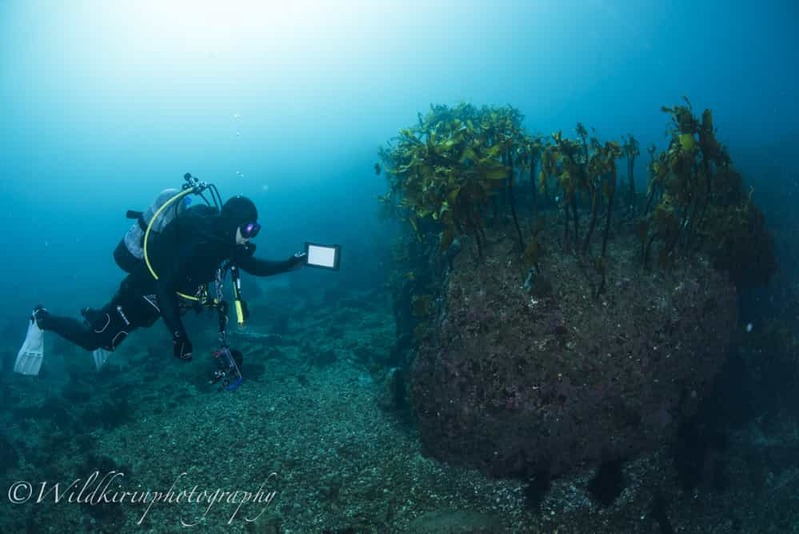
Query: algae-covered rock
{"points": [[514, 382]]}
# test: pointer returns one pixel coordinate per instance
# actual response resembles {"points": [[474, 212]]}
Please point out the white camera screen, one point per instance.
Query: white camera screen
{"points": [[322, 256]]}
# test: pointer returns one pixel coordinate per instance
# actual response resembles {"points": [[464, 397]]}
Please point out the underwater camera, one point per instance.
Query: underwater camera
{"points": [[228, 371], [323, 256]]}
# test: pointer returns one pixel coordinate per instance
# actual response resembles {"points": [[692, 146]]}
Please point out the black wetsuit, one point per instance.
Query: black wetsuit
{"points": [[185, 257]]}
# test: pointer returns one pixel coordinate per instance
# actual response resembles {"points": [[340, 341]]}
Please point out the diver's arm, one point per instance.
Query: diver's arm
{"points": [[168, 303], [170, 311], [248, 263]]}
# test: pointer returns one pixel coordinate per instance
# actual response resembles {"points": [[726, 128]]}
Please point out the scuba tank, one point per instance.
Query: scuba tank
{"points": [[129, 253]]}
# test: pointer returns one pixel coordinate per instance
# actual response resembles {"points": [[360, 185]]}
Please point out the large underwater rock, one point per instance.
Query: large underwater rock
{"points": [[515, 380]]}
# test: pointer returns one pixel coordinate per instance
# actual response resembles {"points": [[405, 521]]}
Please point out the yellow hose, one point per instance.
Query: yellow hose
{"points": [[150, 226]]}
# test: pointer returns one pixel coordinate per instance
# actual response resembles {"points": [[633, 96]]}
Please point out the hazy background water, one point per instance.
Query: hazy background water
{"points": [[103, 104]]}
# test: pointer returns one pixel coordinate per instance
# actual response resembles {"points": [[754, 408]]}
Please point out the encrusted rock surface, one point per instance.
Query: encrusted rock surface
{"points": [[555, 377]]}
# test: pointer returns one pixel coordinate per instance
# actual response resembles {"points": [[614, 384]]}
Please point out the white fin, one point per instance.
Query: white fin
{"points": [[29, 357], [100, 356]]}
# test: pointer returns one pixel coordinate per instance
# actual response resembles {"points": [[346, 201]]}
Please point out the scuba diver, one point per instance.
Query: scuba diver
{"points": [[171, 254]]}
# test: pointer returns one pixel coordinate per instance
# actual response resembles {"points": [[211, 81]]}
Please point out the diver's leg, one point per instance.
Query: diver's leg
{"points": [[70, 329], [128, 310], [105, 328], [111, 326]]}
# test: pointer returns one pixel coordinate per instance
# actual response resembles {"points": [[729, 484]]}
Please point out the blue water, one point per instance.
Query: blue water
{"points": [[103, 104]]}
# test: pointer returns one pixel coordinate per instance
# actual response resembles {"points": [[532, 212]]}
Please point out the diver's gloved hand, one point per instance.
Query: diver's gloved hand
{"points": [[182, 348], [297, 261]]}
